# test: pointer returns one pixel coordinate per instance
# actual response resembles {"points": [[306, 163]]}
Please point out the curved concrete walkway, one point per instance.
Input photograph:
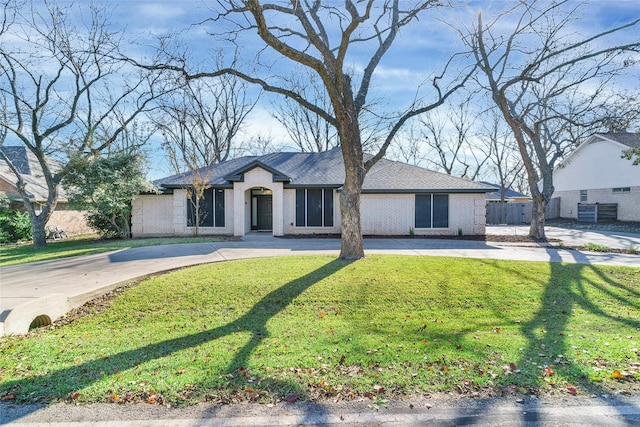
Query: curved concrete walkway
{"points": [[52, 288]]}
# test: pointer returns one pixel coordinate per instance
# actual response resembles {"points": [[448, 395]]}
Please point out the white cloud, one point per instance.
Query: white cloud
{"points": [[160, 11]]}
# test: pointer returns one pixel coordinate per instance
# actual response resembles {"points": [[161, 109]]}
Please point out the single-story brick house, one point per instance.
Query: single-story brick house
{"points": [[70, 220], [298, 193]]}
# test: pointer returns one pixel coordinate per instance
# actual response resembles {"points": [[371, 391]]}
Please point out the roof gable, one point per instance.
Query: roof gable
{"points": [[238, 175], [622, 141]]}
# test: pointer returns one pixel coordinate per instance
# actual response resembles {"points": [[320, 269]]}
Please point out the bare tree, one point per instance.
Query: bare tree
{"points": [[446, 136], [501, 151], [536, 72], [258, 145], [307, 129], [62, 85], [299, 33], [409, 146], [497, 144], [201, 120]]}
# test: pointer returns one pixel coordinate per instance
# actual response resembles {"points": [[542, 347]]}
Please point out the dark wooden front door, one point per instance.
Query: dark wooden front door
{"points": [[265, 213]]}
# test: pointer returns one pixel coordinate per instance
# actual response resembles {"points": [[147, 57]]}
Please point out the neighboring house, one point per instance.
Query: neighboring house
{"points": [[510, 196], [71, 221], [299, 193], [596, 173]]}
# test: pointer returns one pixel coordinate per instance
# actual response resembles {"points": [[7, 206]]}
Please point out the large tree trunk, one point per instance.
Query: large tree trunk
{"points": [[38, 222], [38, 232], [536, 229], [352, 246]]}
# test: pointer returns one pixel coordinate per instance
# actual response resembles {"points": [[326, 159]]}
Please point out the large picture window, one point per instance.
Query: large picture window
{"points": [[314, 207], [432, 211], [211, 209]]}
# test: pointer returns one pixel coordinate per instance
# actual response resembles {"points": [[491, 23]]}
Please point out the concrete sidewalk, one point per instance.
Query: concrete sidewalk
{"points": [[610, 411], [51, 288]]}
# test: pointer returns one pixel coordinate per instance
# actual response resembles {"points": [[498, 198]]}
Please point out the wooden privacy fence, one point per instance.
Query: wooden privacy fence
{"points": [[518, 213]]}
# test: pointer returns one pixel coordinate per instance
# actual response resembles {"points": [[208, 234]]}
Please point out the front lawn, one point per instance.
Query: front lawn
{"points": [[25, 253], [308, 328]]}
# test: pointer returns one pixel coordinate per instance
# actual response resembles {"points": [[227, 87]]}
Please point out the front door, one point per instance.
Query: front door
{"points": [[265, 212]]}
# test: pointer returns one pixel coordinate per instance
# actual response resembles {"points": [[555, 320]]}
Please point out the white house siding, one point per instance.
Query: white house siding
{"points": [[628, 202], [152, 215], [598, 167]]}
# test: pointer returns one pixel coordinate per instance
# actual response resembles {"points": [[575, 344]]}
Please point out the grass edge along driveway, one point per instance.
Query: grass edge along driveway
{"points": [[315, 327], [25, 253]]}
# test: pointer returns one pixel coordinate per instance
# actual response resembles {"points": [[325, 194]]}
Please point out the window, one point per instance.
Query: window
{"points": [[622, 190], [432, 211], [314, 207], [211, 210], [583, 195]]}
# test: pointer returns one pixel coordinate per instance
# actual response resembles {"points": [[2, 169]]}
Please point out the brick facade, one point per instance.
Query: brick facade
{"points": [[72, 222], [382, 214], [628, 202]]}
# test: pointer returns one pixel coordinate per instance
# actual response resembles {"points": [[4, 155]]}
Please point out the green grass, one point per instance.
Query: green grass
{"points": [[309, 328], [596, 248], [25, 253]]}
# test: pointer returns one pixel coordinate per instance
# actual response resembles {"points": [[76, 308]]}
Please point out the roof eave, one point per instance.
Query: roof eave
{"points": [[428, 190]]}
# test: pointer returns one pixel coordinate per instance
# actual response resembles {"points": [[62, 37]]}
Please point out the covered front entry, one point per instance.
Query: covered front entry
{"points": [[261, 209]]}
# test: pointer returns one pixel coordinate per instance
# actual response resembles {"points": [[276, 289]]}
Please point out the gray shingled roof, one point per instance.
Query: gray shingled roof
{"points": [[18, 156], [327, 169], [629, 139], [27, 164], [496, 194]]}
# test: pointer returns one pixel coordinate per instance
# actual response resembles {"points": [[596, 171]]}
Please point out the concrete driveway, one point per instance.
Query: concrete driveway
{"points": [[47, 290], [570, 237]]}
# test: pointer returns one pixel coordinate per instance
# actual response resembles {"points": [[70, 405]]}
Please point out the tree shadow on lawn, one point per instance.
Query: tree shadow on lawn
{"points": [[548, 352], [56, 385]]}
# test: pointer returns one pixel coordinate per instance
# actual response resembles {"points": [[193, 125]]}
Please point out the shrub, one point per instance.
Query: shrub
{"points": [[105, 228], [14, 226]]}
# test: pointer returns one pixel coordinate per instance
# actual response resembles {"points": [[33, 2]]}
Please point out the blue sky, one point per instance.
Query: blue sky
{"points": [[419, 51]]}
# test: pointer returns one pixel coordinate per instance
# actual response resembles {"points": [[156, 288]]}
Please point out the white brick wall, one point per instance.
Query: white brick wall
{"points": [[152, 215], [387, 214], [394, 214], [628, 203], [467, 213], [166, 215], [382, 214]]}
